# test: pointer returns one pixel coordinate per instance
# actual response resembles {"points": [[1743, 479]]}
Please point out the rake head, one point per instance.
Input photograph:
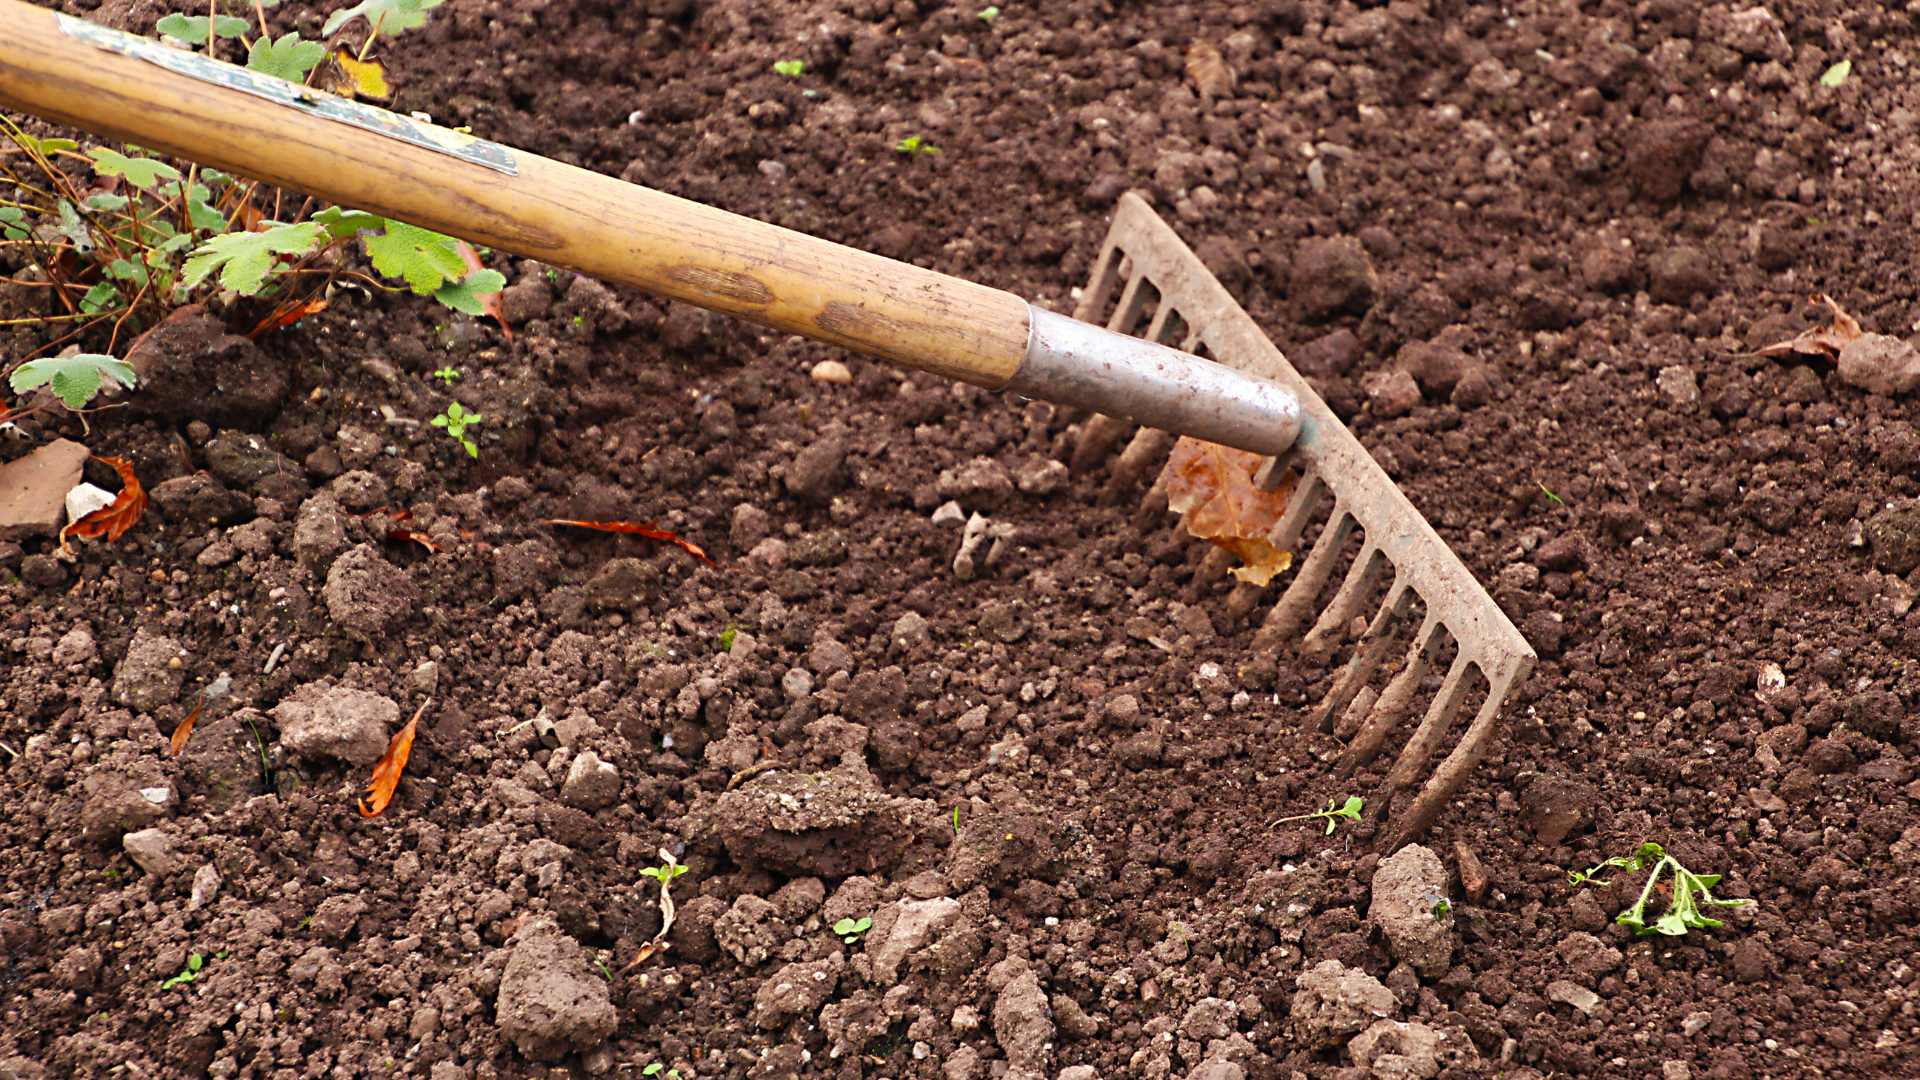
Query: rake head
{"points": [[1428, 614]]}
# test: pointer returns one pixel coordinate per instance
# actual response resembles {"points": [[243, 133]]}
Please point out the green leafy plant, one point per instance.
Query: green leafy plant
{"points": [[448, 375], [1691, 892], [196, 964], [790, 68], [666, 873], [656, 1069], [915, 146], [455, 419], [1333, 814], [851, 929], [74, 379], [727, 637], [1438, 905], [988, 14]]}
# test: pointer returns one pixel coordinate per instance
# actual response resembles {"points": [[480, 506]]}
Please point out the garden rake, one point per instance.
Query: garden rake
{"points": [[1242, 393]]}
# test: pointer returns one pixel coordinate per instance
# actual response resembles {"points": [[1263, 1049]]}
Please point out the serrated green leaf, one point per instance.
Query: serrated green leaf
{"points": [[200, 211], [192, 29], [424, 259], [127, 270], [106, 202], [344, 224], [75, 379], [288, 58], [386, 17], [1837, 74], [142, 173], [99, 298], [13, 222], [44, 147], [244, 259], [470, 296]]}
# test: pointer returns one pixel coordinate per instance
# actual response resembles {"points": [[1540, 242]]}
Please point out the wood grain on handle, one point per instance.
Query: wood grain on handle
{"points": [[553, 212]]}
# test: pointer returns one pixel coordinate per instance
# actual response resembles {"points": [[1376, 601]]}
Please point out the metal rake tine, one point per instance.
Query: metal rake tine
{"points": [[1452, 774], [1307, 491], [1433, 728], [1106, 275], [1308, 580], [1347, 603], [1142, 452], [1393, 701], [1371, 653]]}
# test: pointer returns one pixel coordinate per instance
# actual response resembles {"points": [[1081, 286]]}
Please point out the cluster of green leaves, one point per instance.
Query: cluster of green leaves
{"points": [[851, 929], [656, 1069], [915, 146], [74, 379], [1333, 814], [290, 56], [455, 420], [1691, 892], [196, 965], [792, 69], [665, 873]]}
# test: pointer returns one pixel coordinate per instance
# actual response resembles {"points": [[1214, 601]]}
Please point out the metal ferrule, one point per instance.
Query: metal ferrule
{"points": [[1074, 363]]}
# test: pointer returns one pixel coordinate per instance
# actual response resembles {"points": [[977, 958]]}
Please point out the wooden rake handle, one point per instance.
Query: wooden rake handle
{"points": [[77, 73]]}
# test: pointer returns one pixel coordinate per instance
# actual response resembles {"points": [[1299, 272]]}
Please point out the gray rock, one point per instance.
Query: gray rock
{"points": [[1023, 1022], [1405, 886], [591, 784], [320, 721], [366, 594], [750, 930], [76, 647], [981, 483], [152, 850], [149, 676], [900, 929], [796, 992], [206, 887], [1409, 1051], [551, 1002], [1391, 393], [1680, 385], [1333, 276], [319, 531], [1567, 992], [1041, 476], [33, 489], [1880, 364], [910, 632], [1333, 1003]]}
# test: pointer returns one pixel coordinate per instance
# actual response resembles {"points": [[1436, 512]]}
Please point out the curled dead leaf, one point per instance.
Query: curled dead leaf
{"points": [[1825, 341], [1209, 71], [113, 520], [639, 528], [1213, 490], [387, 771], [289, 313]]}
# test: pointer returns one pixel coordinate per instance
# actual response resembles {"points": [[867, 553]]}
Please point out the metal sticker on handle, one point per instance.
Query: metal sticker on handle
{"points": [[319, 103]]}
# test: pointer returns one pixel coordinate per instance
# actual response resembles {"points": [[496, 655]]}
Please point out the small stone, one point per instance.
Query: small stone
{"points": [[796, 992], [1391, 393], [981, 482], [1680, 273], [1473, 872], [1333, 276], [591, 784], [319, 721], [1410, 1051], [1436, 368], [206, 886], [1571, 993], [949, 513], [149, 676], [910, 632], [903, 928], [1405, 886], [1023, 1023], [831, 371], [1880, 364], [1680, 385], [1895, 536], [152, 851], [551, 1002], [1332, 1003], [33, 489], [1041, 476], [1474, 389], [76, 648], [366, 594], [1675, 1069]]}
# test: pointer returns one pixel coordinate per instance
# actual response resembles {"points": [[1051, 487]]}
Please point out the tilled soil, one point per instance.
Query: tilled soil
{"points": [[1053, 785]]}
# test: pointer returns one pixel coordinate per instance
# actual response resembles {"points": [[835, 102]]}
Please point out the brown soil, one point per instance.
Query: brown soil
{"points": [[1033, 778]]}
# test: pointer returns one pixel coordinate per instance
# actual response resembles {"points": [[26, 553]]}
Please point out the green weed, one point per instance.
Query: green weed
{"points": [[1691, 892], [1333, 814]]}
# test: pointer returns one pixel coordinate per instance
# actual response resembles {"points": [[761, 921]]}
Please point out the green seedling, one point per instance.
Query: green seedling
{"points": [[668, 870], [456, 420], [988, 14], [1548, 492], [657, 1069], [850, 930], [1350, 810], [792, 69], [727, 637], [956, 819], [448, 375], [1438, 905], [74, 379], [666, 873], [196, 963], [1837, 74], [1691, 892], [605, 972], [915, 146]]}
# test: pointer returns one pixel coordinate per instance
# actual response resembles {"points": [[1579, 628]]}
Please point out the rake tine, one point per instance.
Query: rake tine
{"points": [[1393, 701], [1452, 774], [1143, 452], [1347, 603], [1433, 728], [1297, 601], [1105, 274], [1371, 653]]}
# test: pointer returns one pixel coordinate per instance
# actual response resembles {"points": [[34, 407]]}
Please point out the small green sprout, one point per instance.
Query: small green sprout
{"points": [[792, 69], [605, 972], [1837, 74], [956, 819], [1349, 810], [727, 637], [448, 375], [665, 873], [1691, 892], [456, 420], [851, 929], [915, 146], [195, 964], [1438, 905], [656, 1069], [1548, 492], [988, 14]]}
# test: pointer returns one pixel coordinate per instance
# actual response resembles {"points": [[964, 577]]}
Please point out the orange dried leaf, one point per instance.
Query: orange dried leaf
{"points": [[113, 520], [415, 535], [1212, 488], [185, 731], [1821, 340], [490, 302], [386, 771], [639, 528], [289, 313]]}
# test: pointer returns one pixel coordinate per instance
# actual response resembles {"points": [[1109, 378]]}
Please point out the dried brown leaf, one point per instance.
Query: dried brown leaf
{"points": [[490, 302], [1212, 488], [640, 528], [1209, 71], [1820, 341], [113, 520], [289, 313], [387, 771]]}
